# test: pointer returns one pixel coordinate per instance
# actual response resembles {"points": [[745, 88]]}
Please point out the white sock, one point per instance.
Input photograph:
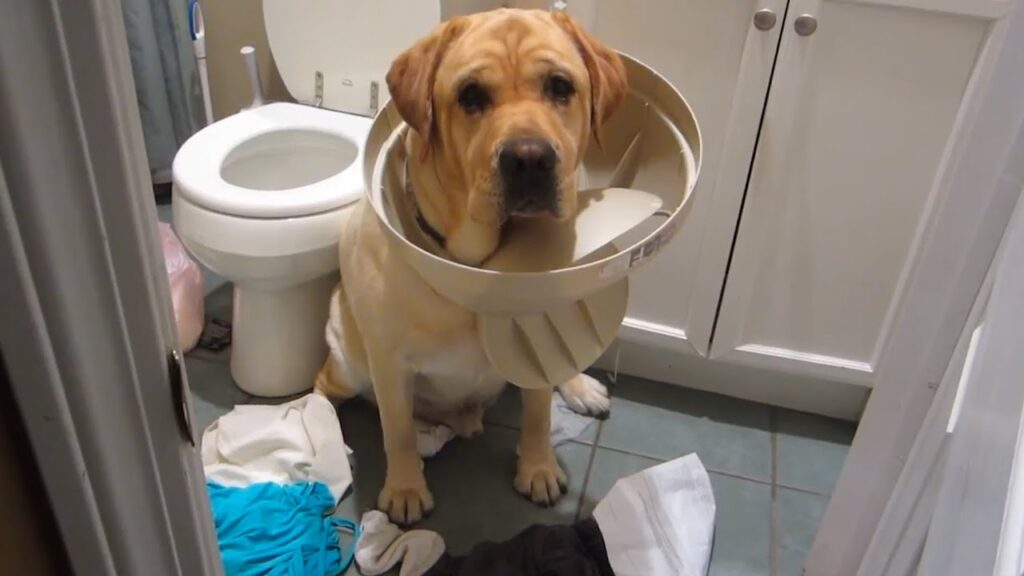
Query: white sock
{"points": [[382, 545]]}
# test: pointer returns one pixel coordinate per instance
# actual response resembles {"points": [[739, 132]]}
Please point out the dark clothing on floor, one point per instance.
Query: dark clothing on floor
{"points": [[576, 550]]}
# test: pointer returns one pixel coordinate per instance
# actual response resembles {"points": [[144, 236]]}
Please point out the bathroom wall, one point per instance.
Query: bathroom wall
{"points": [[452, 8], [584, 11], [231, 24]]}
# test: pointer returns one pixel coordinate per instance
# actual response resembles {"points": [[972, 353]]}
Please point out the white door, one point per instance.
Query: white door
{"points": [[863, 101], [86, 328], [713, 53]]}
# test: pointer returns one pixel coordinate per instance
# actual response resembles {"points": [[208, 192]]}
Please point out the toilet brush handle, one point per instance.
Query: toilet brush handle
{"points": [[249, 55]]}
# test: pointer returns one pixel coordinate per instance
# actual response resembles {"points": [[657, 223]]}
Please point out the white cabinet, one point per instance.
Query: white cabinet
{"points": [[859, 115], [712, 53], [827, 137]]}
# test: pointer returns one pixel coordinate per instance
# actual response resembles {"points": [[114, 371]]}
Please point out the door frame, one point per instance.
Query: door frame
{"points": [[974, 205], [975, 524], [86, 327], [957, 506]]}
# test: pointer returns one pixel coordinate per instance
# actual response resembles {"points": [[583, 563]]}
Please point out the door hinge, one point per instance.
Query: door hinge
{"points": [[180, 394]]}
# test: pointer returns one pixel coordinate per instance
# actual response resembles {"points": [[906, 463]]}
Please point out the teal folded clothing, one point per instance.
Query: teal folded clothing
{"points": [[272, 529]]}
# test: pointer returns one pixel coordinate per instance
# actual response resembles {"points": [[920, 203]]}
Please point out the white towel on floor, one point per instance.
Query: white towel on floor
{"points": [[299, 441], [661, 521], [382, 545]]}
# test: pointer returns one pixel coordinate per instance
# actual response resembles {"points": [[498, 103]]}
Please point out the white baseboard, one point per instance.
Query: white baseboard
{"points": [[828, 368], [670, 363], [660, 336]]}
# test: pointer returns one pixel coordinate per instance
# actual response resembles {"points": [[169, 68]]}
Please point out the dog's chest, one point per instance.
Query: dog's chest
{"points": [[456, 370]]}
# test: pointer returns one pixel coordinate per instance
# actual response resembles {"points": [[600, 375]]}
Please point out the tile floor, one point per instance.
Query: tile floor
{"points": [[772, 469]]}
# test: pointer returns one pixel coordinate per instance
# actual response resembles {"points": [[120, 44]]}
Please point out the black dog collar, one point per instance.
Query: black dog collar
{"points": [[421, 220], [427, 228]]}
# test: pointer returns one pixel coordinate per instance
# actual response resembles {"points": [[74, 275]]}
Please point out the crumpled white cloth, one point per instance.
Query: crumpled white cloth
{"points": [[382, 545], [430, 438], [299, 441], [566, 425], [661, 521]]}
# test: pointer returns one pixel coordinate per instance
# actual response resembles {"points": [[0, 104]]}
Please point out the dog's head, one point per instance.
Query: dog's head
{"points": [[502, 105]]}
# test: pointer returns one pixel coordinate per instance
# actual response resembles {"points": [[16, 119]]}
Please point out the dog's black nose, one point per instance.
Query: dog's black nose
{"points": [[527, 157], [527, 168]]}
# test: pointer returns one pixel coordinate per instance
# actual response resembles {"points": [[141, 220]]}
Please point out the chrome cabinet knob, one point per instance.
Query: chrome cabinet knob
{"points": [[764, 19], [805, 24]]}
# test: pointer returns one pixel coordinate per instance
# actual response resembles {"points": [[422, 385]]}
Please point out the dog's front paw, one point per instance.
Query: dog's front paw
{"points": [[405, 502], [542, 482], [585, 395]]}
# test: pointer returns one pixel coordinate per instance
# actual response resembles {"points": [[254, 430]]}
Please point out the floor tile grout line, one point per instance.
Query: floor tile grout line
{"points": [[739, 477], [807, 491], [595, 444], [735, 475], [570, 440], [773, 517], [590, 467]]}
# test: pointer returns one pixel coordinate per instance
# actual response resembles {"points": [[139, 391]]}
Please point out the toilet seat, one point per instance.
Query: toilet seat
{"points": [[287, 160], [202, 167], [350, 44]]}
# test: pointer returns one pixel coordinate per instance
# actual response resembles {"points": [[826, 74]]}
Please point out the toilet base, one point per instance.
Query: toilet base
{"points": [[277, 337]]}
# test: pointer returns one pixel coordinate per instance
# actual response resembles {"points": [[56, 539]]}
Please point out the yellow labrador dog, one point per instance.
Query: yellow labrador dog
{"points": [[501, 106]]}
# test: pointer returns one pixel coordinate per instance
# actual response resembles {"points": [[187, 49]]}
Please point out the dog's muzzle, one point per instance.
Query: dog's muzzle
{"points": [[527, 167]]}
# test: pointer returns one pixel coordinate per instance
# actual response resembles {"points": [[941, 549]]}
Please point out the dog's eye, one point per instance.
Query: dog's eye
{"points": [[474, 98], [559, 89]]}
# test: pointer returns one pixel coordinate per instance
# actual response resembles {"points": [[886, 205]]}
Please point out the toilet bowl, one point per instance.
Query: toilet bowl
{"points": [[258, 199], [259, 196]]}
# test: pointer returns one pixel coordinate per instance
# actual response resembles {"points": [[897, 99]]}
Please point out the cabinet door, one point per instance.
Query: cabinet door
{"points": [[861, 110], [721, 62]]}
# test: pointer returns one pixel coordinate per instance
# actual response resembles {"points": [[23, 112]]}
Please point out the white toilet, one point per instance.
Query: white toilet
{"points": [[258, 196]]}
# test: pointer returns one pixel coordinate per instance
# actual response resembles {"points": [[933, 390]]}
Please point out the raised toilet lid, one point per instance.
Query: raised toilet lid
{"points": [[351, 42]]}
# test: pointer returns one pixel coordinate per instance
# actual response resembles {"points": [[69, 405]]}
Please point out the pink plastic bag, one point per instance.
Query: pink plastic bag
{"points": [[186, 288]]}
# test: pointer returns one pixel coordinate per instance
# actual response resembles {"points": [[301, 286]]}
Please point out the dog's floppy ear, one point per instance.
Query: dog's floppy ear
{"points": [[608, 83], [411, 77]]}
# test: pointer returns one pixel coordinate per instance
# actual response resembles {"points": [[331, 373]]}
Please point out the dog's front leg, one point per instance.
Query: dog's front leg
{"points": [[538, 475], [405, 497]]}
